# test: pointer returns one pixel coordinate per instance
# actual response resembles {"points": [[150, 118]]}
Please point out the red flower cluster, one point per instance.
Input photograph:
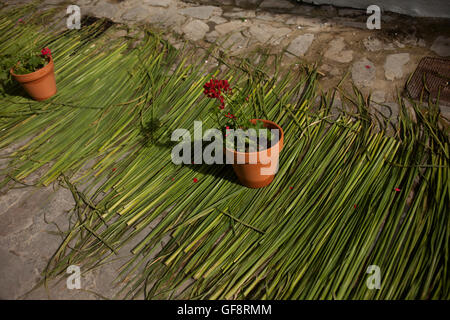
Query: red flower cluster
{"points": [[46, 52], [230, 115], [215, 88]]}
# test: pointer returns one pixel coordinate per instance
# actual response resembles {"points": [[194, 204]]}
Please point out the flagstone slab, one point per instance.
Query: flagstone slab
{"points": [[195, 30], [300, 45], [202, 12], [363, 72]]}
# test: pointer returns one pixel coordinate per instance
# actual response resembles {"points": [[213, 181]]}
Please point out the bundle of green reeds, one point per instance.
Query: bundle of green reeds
{"points": [[346, 196]]}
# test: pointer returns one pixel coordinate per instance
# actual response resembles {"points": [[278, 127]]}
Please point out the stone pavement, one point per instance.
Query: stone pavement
{"points": [[379, 61], [32, 219]]}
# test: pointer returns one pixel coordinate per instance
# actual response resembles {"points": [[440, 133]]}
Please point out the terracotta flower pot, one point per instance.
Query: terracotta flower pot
{"points": [[259, 174], [41, 84]]}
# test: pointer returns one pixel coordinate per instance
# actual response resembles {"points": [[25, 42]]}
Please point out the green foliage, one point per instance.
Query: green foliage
{"points": [[236, 115], [251, 137], [30, 62], [149, 130], [22, 60]]}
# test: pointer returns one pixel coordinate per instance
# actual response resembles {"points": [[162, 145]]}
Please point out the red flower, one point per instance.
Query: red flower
{"points": [[229, 115], [367, 67], [222, 102], [354, 206], [291, 188], [195, 180], [397, 189], [46, 52], [215, 88]]}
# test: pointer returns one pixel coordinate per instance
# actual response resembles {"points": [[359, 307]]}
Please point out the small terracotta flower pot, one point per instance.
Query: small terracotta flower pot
{"points": [[259, 174], [41, 84]]}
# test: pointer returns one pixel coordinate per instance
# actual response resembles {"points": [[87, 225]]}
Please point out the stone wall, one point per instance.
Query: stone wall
{"points": [[418, 8]]}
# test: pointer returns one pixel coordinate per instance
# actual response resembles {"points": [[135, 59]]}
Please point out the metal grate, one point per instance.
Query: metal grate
{"points": [[432, 74]]}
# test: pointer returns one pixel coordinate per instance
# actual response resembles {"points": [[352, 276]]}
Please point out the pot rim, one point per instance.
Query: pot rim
{"points": [[35, 74], [281, 138]]}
